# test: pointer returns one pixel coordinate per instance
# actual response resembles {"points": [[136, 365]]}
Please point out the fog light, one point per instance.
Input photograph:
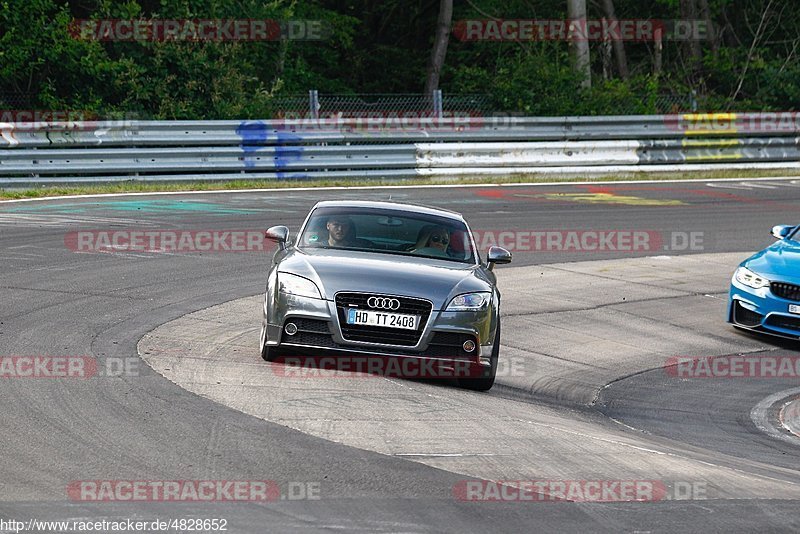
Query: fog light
{"points": [[469, 345], [290, 329]]}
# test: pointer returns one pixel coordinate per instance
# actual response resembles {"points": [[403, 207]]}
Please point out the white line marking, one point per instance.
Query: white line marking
{"points": [[27, 254], [758, 186], [598, 438], [749, 186], [46, 219], [792, 183], [443, 454], [373, 187], [722, 186]]}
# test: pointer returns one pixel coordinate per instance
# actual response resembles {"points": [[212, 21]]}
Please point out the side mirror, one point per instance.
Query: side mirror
{"points": [[280, 234], [497, 256], [781, 231]]}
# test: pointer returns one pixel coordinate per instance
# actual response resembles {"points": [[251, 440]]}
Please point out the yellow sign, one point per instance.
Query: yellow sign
{"points": [[709, 123]]}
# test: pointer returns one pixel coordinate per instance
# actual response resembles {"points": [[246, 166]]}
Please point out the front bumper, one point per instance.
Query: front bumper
{"points": [[760, 310], [441, 337]]}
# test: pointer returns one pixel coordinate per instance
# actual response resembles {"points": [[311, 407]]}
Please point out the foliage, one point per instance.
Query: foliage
{"points": [[383, 47]]}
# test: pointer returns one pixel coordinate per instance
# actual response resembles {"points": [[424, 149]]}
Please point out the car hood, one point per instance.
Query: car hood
{"points": [[389, 274], [781, 261]]}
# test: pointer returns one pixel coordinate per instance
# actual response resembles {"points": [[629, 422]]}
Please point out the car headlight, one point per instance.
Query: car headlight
{"points": [[748, 278], [469, 302], [297, 285]]}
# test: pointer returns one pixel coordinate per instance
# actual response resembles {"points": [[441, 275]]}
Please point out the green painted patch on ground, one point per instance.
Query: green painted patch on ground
{"points": [[167, 206]]}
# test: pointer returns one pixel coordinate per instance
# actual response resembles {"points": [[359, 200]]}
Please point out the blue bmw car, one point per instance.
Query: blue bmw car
{"points": [[765, 289]]}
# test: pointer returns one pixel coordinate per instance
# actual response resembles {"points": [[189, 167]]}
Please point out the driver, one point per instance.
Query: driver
{"points": [[342, 233]]}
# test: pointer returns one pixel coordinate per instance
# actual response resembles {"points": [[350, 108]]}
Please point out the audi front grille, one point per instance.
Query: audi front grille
{"points": [[382, 334]]}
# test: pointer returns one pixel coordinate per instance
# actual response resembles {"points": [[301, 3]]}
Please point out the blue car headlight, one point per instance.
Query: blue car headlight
{"points": [[292, 284], [746, 277], [470, 302]]}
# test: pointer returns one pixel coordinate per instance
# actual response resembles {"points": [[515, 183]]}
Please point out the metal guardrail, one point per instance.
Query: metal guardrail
{"points": [[377, 147]]}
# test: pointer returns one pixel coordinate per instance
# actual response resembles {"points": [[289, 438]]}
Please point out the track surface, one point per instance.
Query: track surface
{"points": [[142, 427]]}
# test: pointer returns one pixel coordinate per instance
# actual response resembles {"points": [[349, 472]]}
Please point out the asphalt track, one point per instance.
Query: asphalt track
{"points": [[141, 426]]}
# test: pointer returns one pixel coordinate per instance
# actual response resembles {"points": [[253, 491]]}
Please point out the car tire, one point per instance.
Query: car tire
{"points": [[485, 382], [268, 354]]}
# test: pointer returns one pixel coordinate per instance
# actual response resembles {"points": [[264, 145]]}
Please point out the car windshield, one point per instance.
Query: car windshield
{"points": [[388, 231]]}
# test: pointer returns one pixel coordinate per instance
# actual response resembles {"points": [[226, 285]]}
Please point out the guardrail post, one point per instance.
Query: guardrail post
{"points": [[437, 103], [313, 103]]}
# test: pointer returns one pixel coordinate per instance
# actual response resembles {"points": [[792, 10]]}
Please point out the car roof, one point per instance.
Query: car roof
{"points": [[397, 206]]}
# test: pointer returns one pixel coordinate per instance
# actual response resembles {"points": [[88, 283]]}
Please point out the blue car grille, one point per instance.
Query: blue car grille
{"points": [[380, 334], [782, 321], [785, 291], [745, 317]]}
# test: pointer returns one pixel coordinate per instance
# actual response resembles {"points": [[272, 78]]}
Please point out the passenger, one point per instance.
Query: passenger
{"points": [[432, 240]]}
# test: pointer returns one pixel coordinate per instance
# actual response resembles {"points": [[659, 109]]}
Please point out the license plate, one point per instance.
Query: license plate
{"points": [[794, 308], [389, 320]]}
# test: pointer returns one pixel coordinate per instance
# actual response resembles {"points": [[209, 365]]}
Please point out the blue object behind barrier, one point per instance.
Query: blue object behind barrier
{"points": [[257, 134]]}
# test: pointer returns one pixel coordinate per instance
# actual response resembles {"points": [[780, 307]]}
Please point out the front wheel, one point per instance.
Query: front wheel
{"points": [[268, 354], [486, 381]]}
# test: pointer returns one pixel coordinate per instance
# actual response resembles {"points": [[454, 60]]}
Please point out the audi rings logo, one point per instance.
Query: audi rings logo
{"points": [[383, 303]]}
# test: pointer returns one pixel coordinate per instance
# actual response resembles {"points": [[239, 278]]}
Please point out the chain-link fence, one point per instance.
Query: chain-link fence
{"points": [[665, 104], [15, 100], [320, 105], [315, 105]]}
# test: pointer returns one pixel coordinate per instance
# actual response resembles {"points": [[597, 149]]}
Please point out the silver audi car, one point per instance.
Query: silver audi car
{"points": [[385, 282]]}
